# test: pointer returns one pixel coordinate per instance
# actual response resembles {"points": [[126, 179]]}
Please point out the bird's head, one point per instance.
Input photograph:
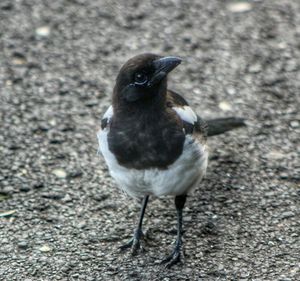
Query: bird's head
{"points": [[144, 77]]}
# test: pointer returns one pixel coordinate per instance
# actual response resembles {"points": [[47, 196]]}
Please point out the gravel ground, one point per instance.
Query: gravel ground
{"points": [[61, 216]]}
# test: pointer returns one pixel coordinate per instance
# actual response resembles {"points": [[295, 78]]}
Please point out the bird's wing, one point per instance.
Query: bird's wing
{"points": [[192, 123], [107, 118]]}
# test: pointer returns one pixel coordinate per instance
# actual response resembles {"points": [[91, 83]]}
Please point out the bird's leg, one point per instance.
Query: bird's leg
{"points": [[134, 242], [175, 256]]}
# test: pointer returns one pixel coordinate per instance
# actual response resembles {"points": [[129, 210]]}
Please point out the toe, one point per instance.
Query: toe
{"points": [[126, 246], [136, 246], [172, 259]]}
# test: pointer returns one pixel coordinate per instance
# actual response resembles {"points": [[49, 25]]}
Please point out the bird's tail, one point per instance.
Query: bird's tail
{"points": [[222, 125]]}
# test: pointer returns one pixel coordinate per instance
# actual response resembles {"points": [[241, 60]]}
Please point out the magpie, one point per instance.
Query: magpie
{"points": [[153, 143]]}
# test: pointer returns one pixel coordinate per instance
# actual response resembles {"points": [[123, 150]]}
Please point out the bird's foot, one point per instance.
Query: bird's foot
{"points": [[174, 257], [134, 243]]}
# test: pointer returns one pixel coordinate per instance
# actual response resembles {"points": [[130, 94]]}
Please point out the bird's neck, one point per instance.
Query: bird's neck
{"points": [[145, 107]]}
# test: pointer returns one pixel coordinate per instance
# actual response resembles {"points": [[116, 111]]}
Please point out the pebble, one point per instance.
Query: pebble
{"points": [[19, 60], [287, 214], [7, 190], [23, 245], [75, 174], [67, 198], [38, 185], [231, 91], [8, 82], [284, 175], [60, 173], [24, 188], [294, 124], [82, 224], [84, 258], [291, 65], [274, 154], [255, 68], [239, 7], [225, 106], [45, 249], [43, 31]]}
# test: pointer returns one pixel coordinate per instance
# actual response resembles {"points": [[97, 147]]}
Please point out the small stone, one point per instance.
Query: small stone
{"points": [[8, 82], [67, 198], [274, 154], [287, 214], [282, 45], [291, 65], [19, 59], [230, 91], [75, 174], [38, 185], [254, 68], [81, 224], [43, 31], [52, 122], [7, 190], [53, 195], [60, 173], [92, 103], [84, 258], [245, 274], [4, 241], [188, 218], [100, 197], [24, 188], [239, 7], [23, 245], [45, 249], [294, 124], [225, 106], [284, 175]]}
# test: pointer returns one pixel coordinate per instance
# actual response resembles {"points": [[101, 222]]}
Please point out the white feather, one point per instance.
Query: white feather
{"points": [[180, 177], [186, 114], [108, 113]]}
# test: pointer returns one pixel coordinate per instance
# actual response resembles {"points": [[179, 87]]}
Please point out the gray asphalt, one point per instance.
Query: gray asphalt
{"points": [[61, 215]]}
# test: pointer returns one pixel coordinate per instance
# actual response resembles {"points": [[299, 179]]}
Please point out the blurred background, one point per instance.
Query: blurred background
{"points": [[60, 213]]}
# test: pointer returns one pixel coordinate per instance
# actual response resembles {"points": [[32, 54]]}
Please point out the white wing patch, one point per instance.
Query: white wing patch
{"points": [[108, 113], [186, 114]]}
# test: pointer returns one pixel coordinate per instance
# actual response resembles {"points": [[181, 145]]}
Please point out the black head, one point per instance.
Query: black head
{"points": [[144, 77]]}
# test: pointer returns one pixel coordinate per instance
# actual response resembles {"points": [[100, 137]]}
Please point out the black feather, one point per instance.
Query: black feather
{"points": [[222, 125]]}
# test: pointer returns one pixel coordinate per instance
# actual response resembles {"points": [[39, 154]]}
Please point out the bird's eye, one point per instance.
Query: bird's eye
{"points": [[140, 78]]}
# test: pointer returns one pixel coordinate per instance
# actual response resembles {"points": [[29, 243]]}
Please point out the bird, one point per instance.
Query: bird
{"points": [[152, 141]]}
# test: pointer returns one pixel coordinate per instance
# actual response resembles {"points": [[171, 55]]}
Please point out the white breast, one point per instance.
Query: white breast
{"points": [[180, 177]]}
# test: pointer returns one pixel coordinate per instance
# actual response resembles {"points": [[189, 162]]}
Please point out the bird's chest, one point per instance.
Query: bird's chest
{"points": [[142, 145], [177, 178]]}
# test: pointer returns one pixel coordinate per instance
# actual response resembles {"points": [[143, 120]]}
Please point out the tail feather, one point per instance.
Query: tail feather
{"points": [[222, 125]]}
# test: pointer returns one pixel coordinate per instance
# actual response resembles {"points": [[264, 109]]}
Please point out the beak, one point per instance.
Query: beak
{"points": [[162, 67]]}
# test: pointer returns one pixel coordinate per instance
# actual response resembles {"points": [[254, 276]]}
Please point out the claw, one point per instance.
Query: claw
{"points": [[127, 245], [134, 243], [174, 258]]}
